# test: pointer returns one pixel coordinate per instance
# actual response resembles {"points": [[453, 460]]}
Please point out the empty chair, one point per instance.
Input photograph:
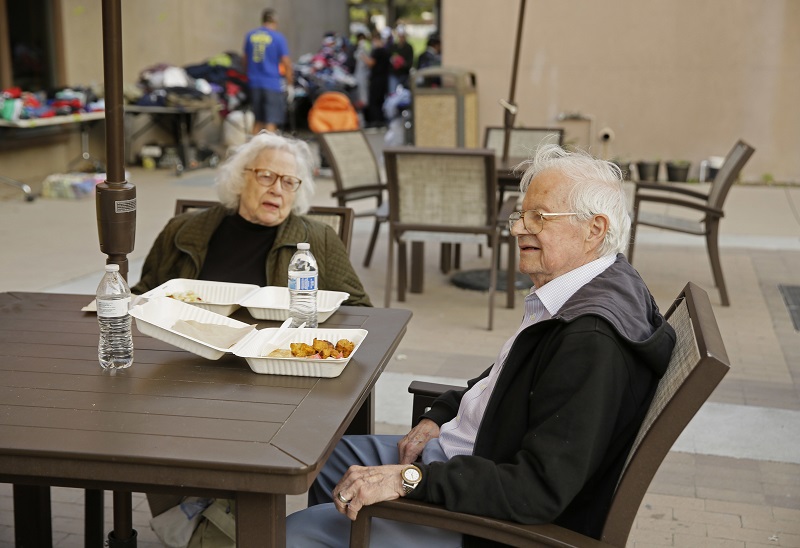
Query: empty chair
{"points": [[440, 195], [709, 205], [356, 174], [698, 364]]}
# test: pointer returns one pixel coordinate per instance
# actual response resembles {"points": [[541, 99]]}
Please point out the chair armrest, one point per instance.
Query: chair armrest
{"points": [[508, 532], [430, 389], [661, 187], [713, 211], [424, 394]]}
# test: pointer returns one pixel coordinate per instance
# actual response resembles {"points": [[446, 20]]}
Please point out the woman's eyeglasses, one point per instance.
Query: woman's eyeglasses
{"points": [[267, 178]]}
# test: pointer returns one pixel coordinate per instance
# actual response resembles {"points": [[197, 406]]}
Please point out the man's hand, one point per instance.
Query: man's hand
{"points": [[364, 485], [411, 446]]}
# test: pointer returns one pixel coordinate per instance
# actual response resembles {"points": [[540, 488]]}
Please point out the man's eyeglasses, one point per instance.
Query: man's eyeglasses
{"points": [[267, 178], [533, 219]]}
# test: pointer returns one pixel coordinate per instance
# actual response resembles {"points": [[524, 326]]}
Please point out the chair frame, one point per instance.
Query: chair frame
{"points": [[347, 215], [397, 228], [653, 443], [710, 204], [343, 194]]}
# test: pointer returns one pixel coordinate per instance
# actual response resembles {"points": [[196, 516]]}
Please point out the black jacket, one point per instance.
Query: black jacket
{"points": [[564, 413]]}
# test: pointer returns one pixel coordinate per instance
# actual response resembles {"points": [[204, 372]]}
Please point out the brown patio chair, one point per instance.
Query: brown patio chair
{"points": [[340, 219], [356, 174], [698, 364], [443, 195], [710, 205]]}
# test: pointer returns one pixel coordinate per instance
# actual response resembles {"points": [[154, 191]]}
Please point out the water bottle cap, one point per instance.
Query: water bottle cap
{"points": [[304, 246], [112, 268]]}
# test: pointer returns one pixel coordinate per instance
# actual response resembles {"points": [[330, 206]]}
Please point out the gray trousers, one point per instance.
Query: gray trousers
{"points": [[321, 524]]}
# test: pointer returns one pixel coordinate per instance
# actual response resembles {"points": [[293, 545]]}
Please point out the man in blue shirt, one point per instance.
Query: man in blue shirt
{"points": [[266, 57]]}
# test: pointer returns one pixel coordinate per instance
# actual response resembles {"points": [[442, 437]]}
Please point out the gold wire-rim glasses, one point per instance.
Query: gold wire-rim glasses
{"points": [[533, 218]]}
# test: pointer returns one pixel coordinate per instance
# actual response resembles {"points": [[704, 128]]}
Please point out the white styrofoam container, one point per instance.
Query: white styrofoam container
{"points": [[156, 317], [272, 303], [250, 350], [220, 297]]}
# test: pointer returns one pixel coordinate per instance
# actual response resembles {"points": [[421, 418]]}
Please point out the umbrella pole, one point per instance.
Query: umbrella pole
{"points": [[510, 106], [115, 197]]}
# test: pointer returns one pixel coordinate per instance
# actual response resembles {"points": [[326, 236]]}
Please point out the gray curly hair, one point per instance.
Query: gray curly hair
{"points": [[597, 188], [230, 178]]}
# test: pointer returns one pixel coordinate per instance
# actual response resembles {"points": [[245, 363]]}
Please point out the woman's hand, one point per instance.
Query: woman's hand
{"points": [[411, 446], [364, 485]]}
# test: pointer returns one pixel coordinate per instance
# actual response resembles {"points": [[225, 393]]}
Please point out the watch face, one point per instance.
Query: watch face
{"points": [[411, 475]]}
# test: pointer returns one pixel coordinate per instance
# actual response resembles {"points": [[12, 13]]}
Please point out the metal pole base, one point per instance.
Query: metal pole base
{"points": [[114, 542]]}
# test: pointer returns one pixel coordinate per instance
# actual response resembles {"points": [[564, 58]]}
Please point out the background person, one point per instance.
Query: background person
{"points": [[401, 60], [266, 58], [378, 62], [543, 434], [264, 188]]}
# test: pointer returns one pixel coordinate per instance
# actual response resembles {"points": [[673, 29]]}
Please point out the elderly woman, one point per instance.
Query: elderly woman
{"points": [[264, 189]]}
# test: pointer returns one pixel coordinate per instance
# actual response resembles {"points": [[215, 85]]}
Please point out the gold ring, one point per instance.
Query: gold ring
{"points": [[342, 499]]}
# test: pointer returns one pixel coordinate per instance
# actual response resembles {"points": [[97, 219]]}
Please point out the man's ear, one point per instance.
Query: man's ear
{"points": [[598, 226]]}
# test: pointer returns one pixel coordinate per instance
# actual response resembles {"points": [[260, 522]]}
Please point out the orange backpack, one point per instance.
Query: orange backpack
{"points": [[332, 111]]}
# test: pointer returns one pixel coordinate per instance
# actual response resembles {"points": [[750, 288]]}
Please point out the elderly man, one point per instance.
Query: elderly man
{"points": [[542, 435]]}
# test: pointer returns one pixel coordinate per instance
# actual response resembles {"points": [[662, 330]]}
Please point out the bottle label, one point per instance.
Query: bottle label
{"points": [[303, 281], [114, 308]]}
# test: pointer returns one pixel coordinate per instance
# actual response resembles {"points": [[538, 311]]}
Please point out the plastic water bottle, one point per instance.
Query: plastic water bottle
{"points": [[115, 350], [303, 287]]}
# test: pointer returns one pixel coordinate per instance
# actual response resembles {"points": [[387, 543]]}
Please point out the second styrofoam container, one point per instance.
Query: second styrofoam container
{"points": [[272, 303]]}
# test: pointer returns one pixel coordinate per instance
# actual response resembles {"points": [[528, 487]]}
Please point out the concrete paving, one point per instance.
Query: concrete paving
{"points": [[732, 479]]}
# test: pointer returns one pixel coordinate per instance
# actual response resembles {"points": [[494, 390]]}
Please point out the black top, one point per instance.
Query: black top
{"points": [[237, 252]]}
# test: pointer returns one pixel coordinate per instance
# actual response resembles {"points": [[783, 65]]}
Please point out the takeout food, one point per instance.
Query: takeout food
{"points": [[320, 349], [186, 296]]}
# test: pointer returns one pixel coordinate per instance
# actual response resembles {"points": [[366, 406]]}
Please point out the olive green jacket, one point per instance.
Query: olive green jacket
{"points": [[180, 250]]}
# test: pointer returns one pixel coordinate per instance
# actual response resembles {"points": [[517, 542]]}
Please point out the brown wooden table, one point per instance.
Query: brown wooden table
{"points": [[173, 422]]}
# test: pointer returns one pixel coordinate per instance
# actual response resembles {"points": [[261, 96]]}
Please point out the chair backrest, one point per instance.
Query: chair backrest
{"points": [[442, 189], [338, 218], [698, 364], [728, 173], [185, 206], [351, 158], [522, 141]]}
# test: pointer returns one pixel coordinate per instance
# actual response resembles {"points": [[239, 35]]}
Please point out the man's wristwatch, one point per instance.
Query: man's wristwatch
{"points": [[411, 476]]}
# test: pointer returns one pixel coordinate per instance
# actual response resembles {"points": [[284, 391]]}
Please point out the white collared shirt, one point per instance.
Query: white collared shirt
{"points": [[457, 437]]}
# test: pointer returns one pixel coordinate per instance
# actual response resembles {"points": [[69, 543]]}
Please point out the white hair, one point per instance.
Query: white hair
{"points": [[597, 189], [230, 178]]}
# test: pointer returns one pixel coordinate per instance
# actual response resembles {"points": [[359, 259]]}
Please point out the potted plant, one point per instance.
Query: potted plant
{"points": [[648, 170], [624, 166], [678, 171]]}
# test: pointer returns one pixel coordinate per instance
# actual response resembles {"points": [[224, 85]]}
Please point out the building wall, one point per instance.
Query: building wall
{"points": [[674, 80]]}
